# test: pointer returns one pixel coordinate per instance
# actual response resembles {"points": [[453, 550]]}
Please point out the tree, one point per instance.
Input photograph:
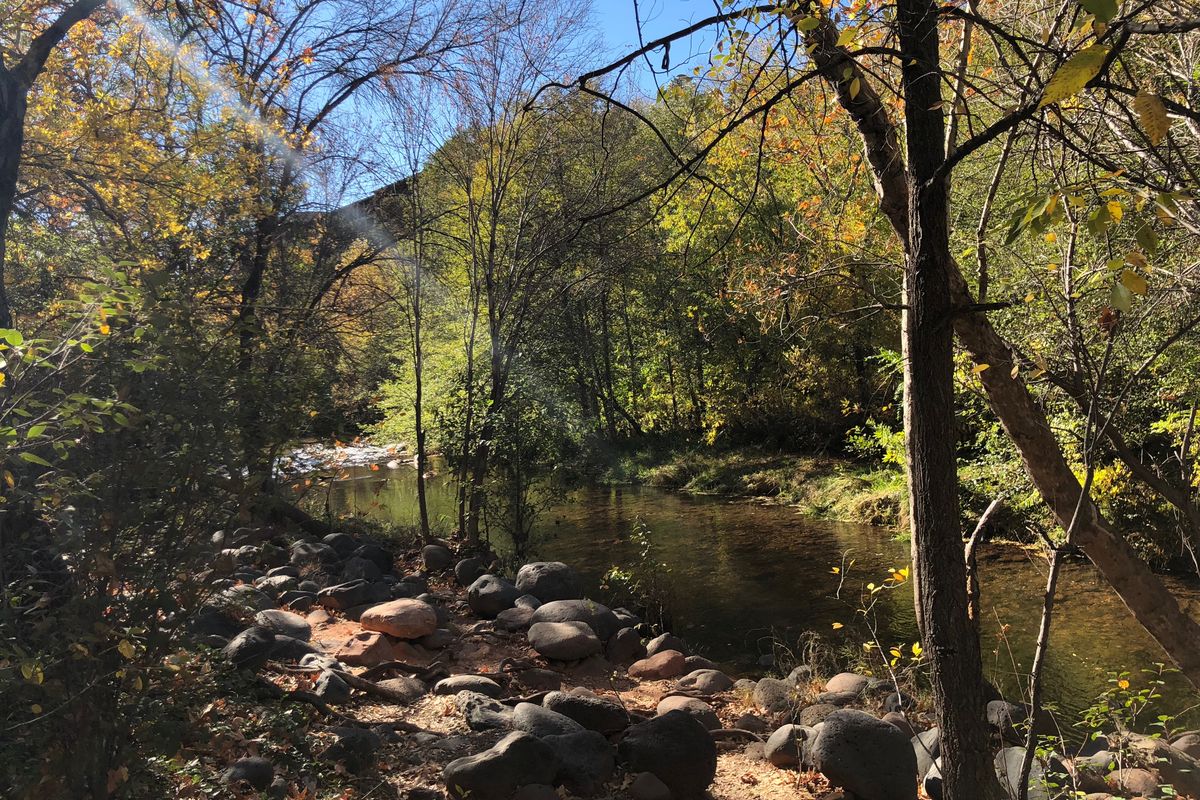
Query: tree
{"points": [[16, 81]]}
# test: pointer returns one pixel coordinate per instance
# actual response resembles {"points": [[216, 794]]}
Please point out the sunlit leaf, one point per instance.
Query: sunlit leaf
{"points": [[1074, 74], [1152, 115], [1134, 282]]}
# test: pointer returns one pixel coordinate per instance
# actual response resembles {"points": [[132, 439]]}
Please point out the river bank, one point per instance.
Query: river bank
{"points": [[828, 487]]}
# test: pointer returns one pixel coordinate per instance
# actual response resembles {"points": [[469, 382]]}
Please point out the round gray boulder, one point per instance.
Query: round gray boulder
{"points": [[549, 581], [676, 748], [564, 641], [491, 594], [866, 756]]}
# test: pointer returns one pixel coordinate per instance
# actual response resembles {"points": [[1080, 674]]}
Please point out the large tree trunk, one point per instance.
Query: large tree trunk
{"points": [[13, 95], [1143, 592], [950, 638]]}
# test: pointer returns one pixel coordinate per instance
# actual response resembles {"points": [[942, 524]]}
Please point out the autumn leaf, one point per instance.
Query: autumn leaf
{"points": [[1134, 282], [1152, 114], [1074, 74]]}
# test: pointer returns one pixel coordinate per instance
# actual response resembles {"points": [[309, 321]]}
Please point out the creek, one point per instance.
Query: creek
{"points": [[744, 574]]}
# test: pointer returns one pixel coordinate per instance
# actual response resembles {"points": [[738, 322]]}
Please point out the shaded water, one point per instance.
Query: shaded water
{"points": [[742, 572]]}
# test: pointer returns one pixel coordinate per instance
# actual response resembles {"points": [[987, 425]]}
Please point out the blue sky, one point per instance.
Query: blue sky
{"points": [[617, 23]]}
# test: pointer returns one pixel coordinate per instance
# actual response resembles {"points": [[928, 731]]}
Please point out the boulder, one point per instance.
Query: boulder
{"points": [[331, 688], [693, 663], [542, 721], [514, 619], [483, 713], [359, 568], [241, 601], [276, 585], [597, 616], [254, 773], [436, 557], [527, 601], [342, 596], [847, 682], [627, 618], [468, 683], [706, 681], [676, 749], [517, 760], [317, 553], [530, 791], [814, 715], [839, 699], [364, 649], [564, 641], [927, 746], [593, 713], [491, 594], [667, 664], [932, 782], [1189, 743], [251, 648], [1008, 770], [402, 689], [284, 622], [752, 723], [901, 722], [298, 600], [342, 543], [289, 649], [799, 676], [354, 747], [1134, 781], [1003, 717], [469, 570], [437, 640], [866, 756], [585, 760], [699, 709], [773, 695], [381, 557], [667, 641], [624, 646], [549, 581], [789, 746], [1174, 766], [404, 619], [647, 786]]}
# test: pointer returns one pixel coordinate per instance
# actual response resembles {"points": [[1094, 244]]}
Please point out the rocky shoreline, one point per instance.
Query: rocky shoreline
{"points": [[449, 679]]}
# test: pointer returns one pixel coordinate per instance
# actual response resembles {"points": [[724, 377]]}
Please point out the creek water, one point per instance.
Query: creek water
{"points": [[742, 574]]}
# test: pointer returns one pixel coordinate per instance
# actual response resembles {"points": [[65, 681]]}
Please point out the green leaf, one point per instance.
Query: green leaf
{"points": [[1147, 239], [12, 336], [846, 37], [33, 458], [35, 431], [1120, 298], [1074, 74], [807, 24], [1103, 10]]}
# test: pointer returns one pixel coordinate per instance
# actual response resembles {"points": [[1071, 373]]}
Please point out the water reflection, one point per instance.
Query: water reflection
{"points": [[743, 572]]}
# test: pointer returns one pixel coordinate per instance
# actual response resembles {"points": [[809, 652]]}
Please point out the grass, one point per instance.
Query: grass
{"points": [[822, 486]]}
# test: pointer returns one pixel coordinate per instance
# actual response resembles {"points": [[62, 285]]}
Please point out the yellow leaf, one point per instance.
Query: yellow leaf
{"points": [[35, 709], [104, 329], [1074, 74], [1137, 259], [978, 368], [836, 570], [1029, 298], [1051, 237], [1152, 115], [1134, 282], [916, 649], [126, 648], [838, 626], [1124, 684], [1115, 210]]}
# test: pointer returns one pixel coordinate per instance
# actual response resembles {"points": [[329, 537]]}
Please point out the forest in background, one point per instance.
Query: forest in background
{"points": [[230, 227]]}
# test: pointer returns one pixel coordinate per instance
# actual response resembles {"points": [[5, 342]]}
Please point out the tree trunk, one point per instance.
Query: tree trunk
{"points": [[950, 639], [13, 98]]}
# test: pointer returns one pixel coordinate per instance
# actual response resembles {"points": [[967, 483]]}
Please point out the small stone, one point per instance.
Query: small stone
{"points": [[514, 619], [694, 663], [847, 682], [542, 722], [591, 712], [625, 646], [332, 689], [364, 649], [788, 746], [490, 594], [402, 689], [814, 715], [666, 664], [253, 772], [404, 619], [647, 786], [706, 681], [379, 556], [699, 709], [439, 639], [469, 570], [251, 648], [482, 712], [773, 696], [666, 641], [564, 641], [357, 568], [518, 759], [676, 748], [549, 581], [354, 747], [436, 557], [284, 622]]}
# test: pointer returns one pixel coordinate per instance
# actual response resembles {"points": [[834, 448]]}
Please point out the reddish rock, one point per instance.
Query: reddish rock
{"points": [[364, 649], [660, 666], [405, 619]]}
